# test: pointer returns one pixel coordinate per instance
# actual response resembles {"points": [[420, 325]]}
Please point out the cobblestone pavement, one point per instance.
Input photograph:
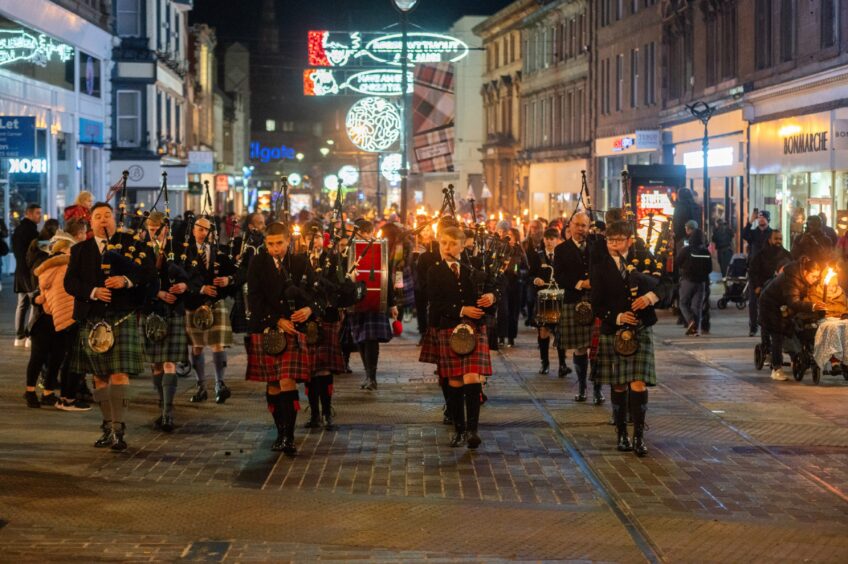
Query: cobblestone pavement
{"points": [[740, 469]]}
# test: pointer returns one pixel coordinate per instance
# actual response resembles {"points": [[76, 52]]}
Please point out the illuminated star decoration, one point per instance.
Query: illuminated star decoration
{"points": [[373, 124]]}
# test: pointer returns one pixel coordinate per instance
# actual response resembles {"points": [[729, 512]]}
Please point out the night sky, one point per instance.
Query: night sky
{"points": [[239, 20]]}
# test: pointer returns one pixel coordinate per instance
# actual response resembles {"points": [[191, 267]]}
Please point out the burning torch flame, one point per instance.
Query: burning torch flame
{"points": [[829, 276], [296, 231], [500, 216], [491, 216], [526, 211], [380, 234]]}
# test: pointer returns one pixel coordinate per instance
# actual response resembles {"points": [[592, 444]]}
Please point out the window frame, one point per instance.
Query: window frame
{"points": [[120, 118]]}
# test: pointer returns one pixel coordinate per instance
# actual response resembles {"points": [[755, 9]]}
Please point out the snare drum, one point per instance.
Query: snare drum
{"points": [[372, 269], [549, 306]]}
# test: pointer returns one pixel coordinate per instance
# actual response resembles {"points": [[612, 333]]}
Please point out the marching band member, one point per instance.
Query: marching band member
{"points": [[369, 329], [208, 290], [167, 345], [571, 269], [276, 306], [453, 299], [100, 294], [541, 271], [624, 298], [244, 247]]}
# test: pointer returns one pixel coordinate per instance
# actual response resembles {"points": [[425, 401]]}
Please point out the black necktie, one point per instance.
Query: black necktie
{"points": [[104, 245], [622, 269], [455, 269]]}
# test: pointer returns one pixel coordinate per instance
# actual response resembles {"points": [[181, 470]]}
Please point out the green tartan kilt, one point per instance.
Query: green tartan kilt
{"points": [[571, 335], [221, 332], [619, 370], [125, 356], [173, 348]]}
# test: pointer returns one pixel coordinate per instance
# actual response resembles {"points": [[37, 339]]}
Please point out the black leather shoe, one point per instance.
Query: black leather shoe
{"points": [[32, 400], [288, 447], [580, 397], [564, 371], [168, 423], [118, 443], [598, 398], [372, 385], [473, 439], [457, 439], [222, 393], [329, 425], [313, 423], [278, 444], [639, 446], [545, 368], [105, 439], [446, 420], [200, 395], [624, 442], [157, 423]]}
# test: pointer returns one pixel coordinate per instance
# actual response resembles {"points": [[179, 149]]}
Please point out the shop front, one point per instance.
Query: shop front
{"points": [[554, 187], [51, 67], [615, 154], [799, 167], [726, 162]]}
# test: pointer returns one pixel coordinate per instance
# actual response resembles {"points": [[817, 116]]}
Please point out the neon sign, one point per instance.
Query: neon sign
{"points": [[27, 166], [340, 49], [373, 124], [722, 156], [268, 154], [377, 82], [17, 45]]}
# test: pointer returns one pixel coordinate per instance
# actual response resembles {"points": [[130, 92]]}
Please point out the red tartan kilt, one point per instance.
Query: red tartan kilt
{"points": [[451, 365], [596, 339], [430, 347], [327, 354], [294, 364]]}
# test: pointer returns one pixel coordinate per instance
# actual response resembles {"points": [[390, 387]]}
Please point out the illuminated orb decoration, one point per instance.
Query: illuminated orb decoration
{"points": [[373, 124], [295, 179], [390, 167], [331, 182], [349, 175]]}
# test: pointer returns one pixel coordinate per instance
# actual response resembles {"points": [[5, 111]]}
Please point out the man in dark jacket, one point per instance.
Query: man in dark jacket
{"points": [[723, 241], [25, 233], [756, 234], [765, 265], [813, 243], [695, 264]]}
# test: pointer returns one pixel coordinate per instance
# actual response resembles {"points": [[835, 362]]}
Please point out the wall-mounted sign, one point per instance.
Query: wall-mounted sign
{"points": [[259, 152], [340, 49], [222, 183], [716, 157], [201, 162], [34, 54], [640, 141], [373, 124], [805, 142], [17, 136], [840, 134], [27, 166], [378, 82], [90, 132]]}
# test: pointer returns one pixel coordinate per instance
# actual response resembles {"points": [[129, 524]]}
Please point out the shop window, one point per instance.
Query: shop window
{"points": [[829, 23], [128, 18], [129, 118]]}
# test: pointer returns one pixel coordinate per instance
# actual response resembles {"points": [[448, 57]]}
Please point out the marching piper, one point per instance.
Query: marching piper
{"points": [[107, 287], [207, 319], [456, 307], [277, 352], [571, 269], [541, 272], [623, 297], [165, 339]]}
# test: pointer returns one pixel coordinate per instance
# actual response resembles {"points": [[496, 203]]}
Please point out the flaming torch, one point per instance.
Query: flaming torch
{"points": [[828, 276]]}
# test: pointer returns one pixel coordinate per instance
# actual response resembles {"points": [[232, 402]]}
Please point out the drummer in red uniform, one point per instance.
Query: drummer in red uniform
{"points": [[273, 308], [453, 300], [367, 329]]}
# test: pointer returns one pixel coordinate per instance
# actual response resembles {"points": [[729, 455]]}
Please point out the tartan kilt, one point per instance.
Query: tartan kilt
{"points": [[430, 347], [618, 370], [294, 364], [221, 332], [125, 357], [174, 348], [572, 335], [367, 326], [451, 365], [327, 354], [596, 338]]}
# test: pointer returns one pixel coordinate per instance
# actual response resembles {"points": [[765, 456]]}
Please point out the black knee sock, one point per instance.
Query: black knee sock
{"points": [[157, 383], [544, 345], [276, 411], [312, 394], [619, 409], [638, 407], [291, 405], [457, 408], [473, 394], [445, 385], [374, 356], [325, 393], [220, 360], [581, 366], [199, 363], [169, 391], [561, 356]]}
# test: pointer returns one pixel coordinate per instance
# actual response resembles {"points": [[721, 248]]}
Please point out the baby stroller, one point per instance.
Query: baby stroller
{"points": [[799, 345], [735, 283]]}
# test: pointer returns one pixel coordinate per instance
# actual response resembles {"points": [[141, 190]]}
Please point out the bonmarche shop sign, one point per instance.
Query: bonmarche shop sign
{"points": [[805, 143]]}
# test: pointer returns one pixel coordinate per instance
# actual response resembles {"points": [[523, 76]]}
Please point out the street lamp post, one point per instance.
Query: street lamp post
{"points": [[404, 7], [703, 112]]}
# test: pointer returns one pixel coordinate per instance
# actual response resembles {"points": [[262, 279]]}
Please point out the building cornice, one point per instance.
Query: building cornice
{"points": [[505, 19], [798, 86]]}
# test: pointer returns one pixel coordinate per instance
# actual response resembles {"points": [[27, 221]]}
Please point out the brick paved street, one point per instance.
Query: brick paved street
{"points": [[741, 469]]}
